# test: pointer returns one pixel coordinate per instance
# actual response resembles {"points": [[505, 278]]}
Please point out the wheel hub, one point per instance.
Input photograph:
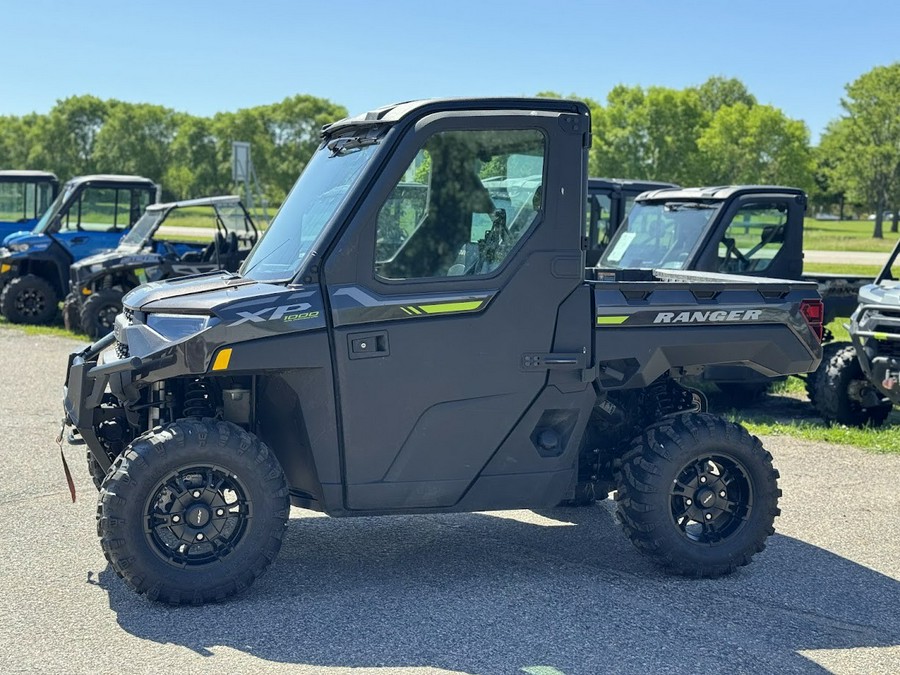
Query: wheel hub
{"points": [[711, 499], [706, 498], [197, 515]]}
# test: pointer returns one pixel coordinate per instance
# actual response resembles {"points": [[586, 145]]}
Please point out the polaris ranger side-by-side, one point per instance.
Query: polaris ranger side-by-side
{"points": [[170, 240], [751, 230], [89, 215], [471, 364]]}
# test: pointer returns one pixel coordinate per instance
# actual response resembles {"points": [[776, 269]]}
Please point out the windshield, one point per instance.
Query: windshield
{"points": [[315, 198], [658, 235], [49, 217], [143, 229]]}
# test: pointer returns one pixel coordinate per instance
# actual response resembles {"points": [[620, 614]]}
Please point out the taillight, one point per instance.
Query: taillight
{"points": [[814, 313]]}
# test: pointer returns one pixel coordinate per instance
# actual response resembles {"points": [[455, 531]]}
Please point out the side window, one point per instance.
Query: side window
{"points": [[94, 211], [753, 238], [463, 203], [12, 206], [598, 228]]}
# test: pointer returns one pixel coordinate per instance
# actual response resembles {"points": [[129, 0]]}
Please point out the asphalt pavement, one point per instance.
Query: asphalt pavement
{"points": [[542, 593]]}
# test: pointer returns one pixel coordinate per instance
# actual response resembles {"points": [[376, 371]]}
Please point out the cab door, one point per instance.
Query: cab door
{"points": [[98, 217], [445, 297]]}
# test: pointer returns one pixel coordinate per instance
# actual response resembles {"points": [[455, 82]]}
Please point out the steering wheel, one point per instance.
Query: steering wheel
{"points": [[169, 250], [731, 247]]}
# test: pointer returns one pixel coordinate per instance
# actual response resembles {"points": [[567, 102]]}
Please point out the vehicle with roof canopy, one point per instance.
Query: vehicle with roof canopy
{"points": [[89, 215], [170, 240], [466, 362]]}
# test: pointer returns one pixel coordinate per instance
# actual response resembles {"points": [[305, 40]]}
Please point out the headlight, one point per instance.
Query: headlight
{"points": [[19, 248], [177, 326]]}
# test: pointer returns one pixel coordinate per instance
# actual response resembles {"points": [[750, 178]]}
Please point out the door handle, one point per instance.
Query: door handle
{"points": [[78, 240], [368, 345], [557, 361]]}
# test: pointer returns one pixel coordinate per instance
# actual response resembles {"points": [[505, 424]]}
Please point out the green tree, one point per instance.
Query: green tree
{"points": [[648, 134], [194, 169], [135, 140], [758, 144], [718, 92], [63, 140], [866, 141]]}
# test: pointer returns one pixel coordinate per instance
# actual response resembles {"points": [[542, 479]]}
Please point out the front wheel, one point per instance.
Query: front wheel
{"points": [[29, 299], [193, 512], [98, 314], [698, 494], [844, 394]]}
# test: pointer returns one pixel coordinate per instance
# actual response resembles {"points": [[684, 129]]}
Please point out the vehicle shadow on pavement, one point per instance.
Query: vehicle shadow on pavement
{"points": [[492, 594]]}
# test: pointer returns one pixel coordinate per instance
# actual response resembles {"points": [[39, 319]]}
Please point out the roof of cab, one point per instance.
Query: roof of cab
{"points": [[391, 114], [200, 201], [717, 193], [110, 178], [23, 175]]}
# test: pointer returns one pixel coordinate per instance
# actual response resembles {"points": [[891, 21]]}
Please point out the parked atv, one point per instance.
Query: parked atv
{"points": [[860, 384], [90, 215], [170, 240]]}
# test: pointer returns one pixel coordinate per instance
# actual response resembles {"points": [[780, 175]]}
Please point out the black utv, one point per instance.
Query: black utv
{"points": [[170, 240], [378, 353], [860, 383]]}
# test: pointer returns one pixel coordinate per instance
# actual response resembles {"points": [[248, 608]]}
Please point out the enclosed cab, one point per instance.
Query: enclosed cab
{"points": [[90, 214], [609, 201], [416, 333], [170, 240], [24, 196]]}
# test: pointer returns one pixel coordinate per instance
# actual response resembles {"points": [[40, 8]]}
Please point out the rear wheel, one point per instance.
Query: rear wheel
{"points": [[29, 299], [843, 390], [98, 314], [193, 512], [72, 313], [698, 494]]}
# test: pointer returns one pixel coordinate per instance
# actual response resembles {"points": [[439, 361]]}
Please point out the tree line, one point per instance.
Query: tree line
{"points": [[715, 133]]}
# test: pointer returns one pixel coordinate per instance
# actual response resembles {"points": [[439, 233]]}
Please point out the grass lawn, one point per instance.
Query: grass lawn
{"points": [[841, 268], [846, 235]]}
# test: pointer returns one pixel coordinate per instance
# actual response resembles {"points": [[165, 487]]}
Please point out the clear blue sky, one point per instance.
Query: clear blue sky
{"points": [[202, 56]]}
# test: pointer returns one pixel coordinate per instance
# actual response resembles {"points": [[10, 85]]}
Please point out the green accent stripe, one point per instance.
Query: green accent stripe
{"points": [[880, 336], [611, 320], [407, 311], [446, 307]]}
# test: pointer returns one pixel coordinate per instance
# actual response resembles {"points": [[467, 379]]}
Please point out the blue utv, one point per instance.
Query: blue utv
{"points": [[90, 215]]}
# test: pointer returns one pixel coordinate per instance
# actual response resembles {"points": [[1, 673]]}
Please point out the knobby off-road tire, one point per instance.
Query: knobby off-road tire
{"points": [[29, 299], [224, 482], [71, 313], [699, 495], [828, 352], [98, 313], [834, 393]]}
